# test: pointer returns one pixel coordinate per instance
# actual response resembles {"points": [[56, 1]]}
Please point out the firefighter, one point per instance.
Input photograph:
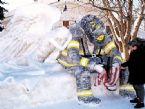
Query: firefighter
{"points": [[89, 51]]}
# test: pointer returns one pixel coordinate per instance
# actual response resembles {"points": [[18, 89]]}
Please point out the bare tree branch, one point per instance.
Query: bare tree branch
{"points": [[138, 20], [105, 8], [129, 19]]}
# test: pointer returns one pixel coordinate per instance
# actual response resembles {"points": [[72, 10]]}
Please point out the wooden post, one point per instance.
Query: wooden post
{"points": [[66, 23]]}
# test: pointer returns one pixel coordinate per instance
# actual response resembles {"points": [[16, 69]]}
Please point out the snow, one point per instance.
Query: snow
{"points": [[107, 103], [26, 82]]}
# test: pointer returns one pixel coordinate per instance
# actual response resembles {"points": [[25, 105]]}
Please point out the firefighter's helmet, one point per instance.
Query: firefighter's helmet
{"points": [[93, 27]]}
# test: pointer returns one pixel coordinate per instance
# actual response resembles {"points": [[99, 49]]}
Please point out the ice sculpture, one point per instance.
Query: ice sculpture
{"points": [[31, 37], [30, 33]]}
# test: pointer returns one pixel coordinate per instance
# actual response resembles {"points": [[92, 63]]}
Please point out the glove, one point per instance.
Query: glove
{"points": [[97, 67]]}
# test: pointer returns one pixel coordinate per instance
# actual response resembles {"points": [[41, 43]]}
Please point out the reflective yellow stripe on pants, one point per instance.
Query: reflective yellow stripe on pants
{"points": [[85, 93]]}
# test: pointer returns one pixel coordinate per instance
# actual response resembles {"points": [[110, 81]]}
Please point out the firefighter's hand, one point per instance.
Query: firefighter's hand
{"points": [[114, 74], [99, 68]]}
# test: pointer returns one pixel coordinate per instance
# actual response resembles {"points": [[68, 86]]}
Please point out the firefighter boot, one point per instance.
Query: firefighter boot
{"points": [[84, 91]]}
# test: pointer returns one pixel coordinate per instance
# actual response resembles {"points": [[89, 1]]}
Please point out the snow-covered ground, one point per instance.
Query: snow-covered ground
{"points": [[114, 102], [53, 90], [25, 82]]}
